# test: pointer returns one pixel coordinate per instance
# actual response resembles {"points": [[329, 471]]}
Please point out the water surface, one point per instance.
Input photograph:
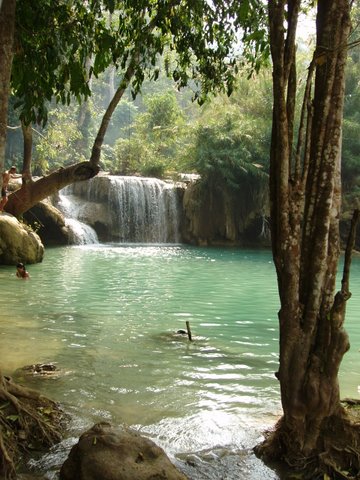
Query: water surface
{"points": [[108, 316]]}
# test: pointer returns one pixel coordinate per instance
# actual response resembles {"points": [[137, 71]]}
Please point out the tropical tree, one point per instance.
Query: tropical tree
{"points": [[132, 42], [314, 433], [229, 149], [63, 35], [233, 134]]}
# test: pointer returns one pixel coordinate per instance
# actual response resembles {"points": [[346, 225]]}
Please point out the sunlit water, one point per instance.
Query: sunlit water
{"points": [[108, 316]]}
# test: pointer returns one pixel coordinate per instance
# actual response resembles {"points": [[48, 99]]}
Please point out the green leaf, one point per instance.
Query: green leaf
{"points": [[13, 418]]}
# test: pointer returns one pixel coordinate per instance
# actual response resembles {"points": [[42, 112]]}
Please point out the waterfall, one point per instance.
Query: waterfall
{"points": [[79, 232], [146, 209], [128, 209]]}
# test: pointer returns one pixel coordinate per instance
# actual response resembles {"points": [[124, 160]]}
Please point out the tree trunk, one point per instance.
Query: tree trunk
{"points": [[32, 192], [305, 207], [96, 150], [7, 25], [28, 145]]}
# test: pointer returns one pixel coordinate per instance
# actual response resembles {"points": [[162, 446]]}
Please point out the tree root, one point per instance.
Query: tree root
{"points": [[28, 421], [337, 455]]}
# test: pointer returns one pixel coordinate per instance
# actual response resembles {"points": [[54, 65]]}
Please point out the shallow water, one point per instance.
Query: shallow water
{"points": [[108, 316]]}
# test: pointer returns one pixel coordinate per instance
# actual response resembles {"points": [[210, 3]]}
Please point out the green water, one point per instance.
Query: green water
{"points": [[108, 316]]}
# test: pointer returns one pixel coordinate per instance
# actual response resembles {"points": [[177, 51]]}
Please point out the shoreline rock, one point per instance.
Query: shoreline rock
{"points": [[120, 453], [18, 243]]}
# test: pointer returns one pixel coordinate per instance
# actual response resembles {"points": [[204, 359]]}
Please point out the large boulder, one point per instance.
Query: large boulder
{"points": [[18, 243], [108, 453], [49, 223]]}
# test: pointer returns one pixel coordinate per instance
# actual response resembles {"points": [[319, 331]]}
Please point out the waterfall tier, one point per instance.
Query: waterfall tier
{"points": [[126, 209]]}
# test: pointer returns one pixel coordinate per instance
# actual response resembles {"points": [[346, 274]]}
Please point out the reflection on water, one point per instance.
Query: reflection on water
{"points": [[107, 315]]}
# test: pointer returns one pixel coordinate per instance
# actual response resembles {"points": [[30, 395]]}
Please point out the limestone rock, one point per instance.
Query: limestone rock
{"points": [[49, 222], [216, 214], [18, 243], [107, 453]]}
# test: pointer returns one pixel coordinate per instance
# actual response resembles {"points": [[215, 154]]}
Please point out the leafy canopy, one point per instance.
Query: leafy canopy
{"points": [[61, 45]]}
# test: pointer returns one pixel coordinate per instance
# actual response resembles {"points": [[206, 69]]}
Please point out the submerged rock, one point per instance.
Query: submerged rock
{"points": [[108, 453], [44, 369]]}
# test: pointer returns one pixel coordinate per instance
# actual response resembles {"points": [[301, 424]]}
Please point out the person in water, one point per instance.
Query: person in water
{"points": [[21, 271]]}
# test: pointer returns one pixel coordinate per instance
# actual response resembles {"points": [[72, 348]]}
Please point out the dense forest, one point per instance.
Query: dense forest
{"points": [[163, 132]]}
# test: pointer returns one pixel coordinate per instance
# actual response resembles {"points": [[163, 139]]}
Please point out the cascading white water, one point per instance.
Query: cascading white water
{"points": [[80, 233], [147, 209], [130, 209]]}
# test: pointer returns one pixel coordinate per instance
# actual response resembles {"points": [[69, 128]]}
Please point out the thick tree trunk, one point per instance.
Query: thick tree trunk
{"points": [[312, 339], [7, 25], [32, 192], [305, 208]]}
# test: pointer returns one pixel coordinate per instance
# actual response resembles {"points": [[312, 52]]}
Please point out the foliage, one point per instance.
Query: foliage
{"points": [[232, 138], [351, 125], [153, 168], [90, 38], [66, 35], [57, 145], [129, 153], [226, 137], [151, 146], [163, 112], [224, 150]]}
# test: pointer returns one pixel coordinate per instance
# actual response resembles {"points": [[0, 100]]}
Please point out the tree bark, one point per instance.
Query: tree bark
{"points": [[7, 26], [305, 207], [28, 145], [34, 191]]}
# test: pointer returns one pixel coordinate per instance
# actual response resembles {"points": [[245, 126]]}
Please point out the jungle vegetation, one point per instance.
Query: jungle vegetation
{"points": [[163, 133]]}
